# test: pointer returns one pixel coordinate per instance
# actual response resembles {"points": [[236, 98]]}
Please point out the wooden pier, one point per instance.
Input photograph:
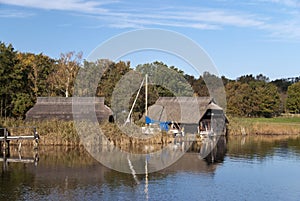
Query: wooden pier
{"points": [[6, 137]]}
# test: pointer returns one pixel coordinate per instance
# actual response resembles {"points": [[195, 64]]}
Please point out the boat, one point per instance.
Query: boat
{"points": [[175, 129]]}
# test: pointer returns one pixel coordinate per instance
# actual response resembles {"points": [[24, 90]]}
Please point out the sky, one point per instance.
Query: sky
{"points": [[241, 37]]}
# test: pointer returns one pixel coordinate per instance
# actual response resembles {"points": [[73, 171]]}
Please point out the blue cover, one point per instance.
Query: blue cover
{"points": [[162, 124]]}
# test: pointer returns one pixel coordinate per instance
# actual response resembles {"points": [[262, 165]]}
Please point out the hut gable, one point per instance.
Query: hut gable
{"points": [[61, 108]]}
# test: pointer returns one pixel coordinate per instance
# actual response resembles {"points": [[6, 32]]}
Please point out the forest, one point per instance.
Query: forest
{"points": [[26, 76]]}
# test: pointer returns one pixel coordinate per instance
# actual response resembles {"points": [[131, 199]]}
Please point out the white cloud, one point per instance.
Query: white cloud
{"points": [[290, 3], [207, 19], [289, 30], [127, 14], [14, 14], [218, 17], [68, 5], [138, 20], [283, 27]]}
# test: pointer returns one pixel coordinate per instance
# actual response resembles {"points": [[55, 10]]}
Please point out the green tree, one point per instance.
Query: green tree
{"points": [[9, 77], [21, 102], [246, 78], [293, 98], [167, 80], [238, 97], [38, 68], [163, 81], [28, 81], [113, 72], [89, 76], [215, 87], [253, 99], [198, 85], [268, 100]]}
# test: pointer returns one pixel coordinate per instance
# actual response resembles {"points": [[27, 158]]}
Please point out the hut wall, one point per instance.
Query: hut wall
{"points": [[190, 128]]}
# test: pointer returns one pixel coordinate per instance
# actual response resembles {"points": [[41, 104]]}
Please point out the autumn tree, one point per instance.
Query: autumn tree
{"points": [[62, 78]]}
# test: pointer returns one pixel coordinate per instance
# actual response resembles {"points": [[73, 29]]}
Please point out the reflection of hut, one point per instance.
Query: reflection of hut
{"points": [[193, 113], [213, 150], [191, 162], [61, 108], [197, 160]]}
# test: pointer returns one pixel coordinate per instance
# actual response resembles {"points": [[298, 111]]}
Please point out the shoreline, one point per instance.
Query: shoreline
{"points": [[63, 133]]}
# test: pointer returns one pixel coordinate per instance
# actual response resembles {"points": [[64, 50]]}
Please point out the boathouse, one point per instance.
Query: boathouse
{"points": [[60, 108], [195, 114]]}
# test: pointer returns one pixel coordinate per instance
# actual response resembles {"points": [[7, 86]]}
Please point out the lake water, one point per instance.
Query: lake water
{"points": [[250, 168]]}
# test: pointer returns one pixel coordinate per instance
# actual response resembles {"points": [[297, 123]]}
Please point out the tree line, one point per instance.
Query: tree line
{"points": [[26, 76]]}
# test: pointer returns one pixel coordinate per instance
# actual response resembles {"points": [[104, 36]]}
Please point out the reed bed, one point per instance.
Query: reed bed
{"points": [[52, 132], [64, 133]]}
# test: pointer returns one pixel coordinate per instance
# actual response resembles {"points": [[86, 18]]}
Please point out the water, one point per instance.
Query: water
{"points": [[251, 168]]}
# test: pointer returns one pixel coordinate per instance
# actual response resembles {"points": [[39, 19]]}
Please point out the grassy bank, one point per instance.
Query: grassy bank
{"points": [[264, 126]]}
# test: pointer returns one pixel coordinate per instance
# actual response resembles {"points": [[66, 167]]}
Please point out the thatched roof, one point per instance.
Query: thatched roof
{"points": [[181, 109], [61, 108]]}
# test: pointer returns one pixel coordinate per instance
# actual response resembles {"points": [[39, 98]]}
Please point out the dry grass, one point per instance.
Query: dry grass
{"points": [[58, 133], [265, 126], [52, 132]]}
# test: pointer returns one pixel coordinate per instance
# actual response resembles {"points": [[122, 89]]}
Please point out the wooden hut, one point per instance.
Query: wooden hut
{"points": [[60, 108], [195, 114]]}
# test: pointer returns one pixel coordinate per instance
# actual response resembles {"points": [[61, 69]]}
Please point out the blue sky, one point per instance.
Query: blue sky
{"points": [[241, 37]]}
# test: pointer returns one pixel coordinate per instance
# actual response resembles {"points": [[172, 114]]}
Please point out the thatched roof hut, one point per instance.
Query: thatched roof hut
{"points": [[188, 111], [61, 108]]}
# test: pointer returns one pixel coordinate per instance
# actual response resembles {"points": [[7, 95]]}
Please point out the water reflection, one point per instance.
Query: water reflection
{"points": [[263, 147], [8, 156], [62, 170], [71, 173]]}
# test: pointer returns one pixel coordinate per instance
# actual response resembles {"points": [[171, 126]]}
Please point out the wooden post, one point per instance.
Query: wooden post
{"points": [[36, 138], [5, 164], [20, 146], [6, 142], [146, 95], [6, 150]]}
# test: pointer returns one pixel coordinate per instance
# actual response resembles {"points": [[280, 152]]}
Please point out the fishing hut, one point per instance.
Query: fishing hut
{"points": [[195, 114], [62, 108]]}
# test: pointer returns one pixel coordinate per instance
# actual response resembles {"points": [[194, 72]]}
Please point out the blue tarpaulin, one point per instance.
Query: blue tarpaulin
{"points": [[162, 124], [149, 120]]}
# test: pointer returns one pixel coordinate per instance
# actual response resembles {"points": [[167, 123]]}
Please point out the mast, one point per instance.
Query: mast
{"points": [[137, 95], [146, 95]]}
